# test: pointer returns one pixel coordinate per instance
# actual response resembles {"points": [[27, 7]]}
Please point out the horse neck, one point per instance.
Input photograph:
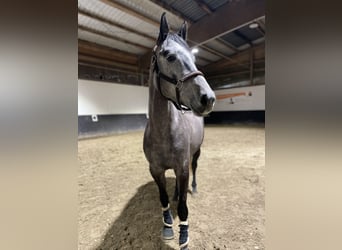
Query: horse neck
{"points": [[159, 107]]}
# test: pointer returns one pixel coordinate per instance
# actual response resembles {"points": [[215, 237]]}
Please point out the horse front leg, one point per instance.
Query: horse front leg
{"points": [[182, 209], [159, 177]]}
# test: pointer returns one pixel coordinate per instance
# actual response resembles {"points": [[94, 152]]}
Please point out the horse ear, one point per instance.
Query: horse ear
{"points": [[183, 31], [164, 29]]}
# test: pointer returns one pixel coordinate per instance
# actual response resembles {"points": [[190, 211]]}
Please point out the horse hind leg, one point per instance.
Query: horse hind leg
{"points": [[194, 183], [194, 167], [175, 194], [159, 178]]}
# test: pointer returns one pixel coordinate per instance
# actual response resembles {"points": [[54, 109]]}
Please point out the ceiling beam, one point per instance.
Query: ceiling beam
{"points": [[261, 27], [172, 10], [117, 38], [130, 11], [237, 79], [210, 50], [258, 64], [242, 37], [241, 58], [261, 23], [94, 49], [206, 60], [232, 73], [105, 62], [135, 13], [116, 24], [144, 60], [103, 55], [229, 45], [204, 6], [225, 19], [229, 58]]}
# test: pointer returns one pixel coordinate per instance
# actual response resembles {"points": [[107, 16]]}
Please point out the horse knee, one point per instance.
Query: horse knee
{"points": [[183, 175]]}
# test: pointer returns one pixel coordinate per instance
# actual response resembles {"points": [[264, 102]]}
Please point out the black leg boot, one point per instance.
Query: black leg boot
{"points": [[183, 235], [167, 221]]}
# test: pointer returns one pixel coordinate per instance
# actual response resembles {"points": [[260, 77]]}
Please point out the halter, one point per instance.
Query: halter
{"points": [[178, 83]]}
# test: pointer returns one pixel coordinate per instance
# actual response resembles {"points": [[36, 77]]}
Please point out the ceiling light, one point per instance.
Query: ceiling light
{"points": [[194, 51], [253, 25]]}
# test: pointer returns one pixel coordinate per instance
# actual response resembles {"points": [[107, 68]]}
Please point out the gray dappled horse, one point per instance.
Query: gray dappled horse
{"points": [[179, 97]]}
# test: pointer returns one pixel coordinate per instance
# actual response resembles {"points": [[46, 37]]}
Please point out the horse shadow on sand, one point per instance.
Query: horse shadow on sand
{"points": [[140, 223]]}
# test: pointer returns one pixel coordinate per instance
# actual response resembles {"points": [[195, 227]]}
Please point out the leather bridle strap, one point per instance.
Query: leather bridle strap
{"points": [[191, 75], [179, 86], [177, 83], [182, 80]]}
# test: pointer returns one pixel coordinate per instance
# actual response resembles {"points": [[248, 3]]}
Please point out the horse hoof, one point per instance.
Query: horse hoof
{"points": [[183, 237], [167, 233], [184, 246], [194, 190]]}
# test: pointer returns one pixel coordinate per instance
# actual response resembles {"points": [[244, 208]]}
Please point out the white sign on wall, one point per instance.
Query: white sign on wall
{"points": [[240, 99]]}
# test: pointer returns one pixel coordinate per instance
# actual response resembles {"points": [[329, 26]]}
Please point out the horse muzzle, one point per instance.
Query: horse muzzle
{"points": [[207, 102]]}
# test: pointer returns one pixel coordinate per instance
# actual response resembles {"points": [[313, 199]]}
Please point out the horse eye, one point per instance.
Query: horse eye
{"points": [[171, 58]]}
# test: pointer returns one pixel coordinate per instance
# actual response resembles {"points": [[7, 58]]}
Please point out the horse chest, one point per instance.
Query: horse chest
{"points": [[171, 138], [166, 148]]}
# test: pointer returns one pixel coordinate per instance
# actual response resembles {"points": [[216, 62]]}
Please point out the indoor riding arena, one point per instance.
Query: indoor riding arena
{"points": [[119, 201]]}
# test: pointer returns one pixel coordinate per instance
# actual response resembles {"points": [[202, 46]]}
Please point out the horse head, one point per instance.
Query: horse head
{"points": [[178, 78]]}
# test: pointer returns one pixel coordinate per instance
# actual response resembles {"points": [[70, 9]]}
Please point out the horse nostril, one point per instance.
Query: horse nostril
{"points": [[207, 101], [204, 100], [211, 100]]}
